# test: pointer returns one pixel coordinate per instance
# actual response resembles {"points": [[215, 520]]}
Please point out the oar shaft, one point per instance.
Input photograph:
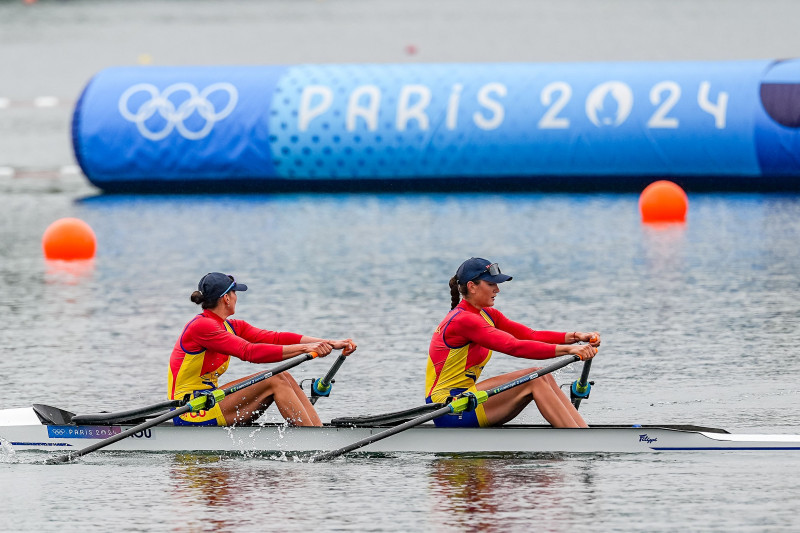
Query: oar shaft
{"points": [[291, 363], [443, 411], [181, 410], [325, 383], [582, 384], [383, 434], [119, 436], [326, 380], [533, 375], [584, 379]]}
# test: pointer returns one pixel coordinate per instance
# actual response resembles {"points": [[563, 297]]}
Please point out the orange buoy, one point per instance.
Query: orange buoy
{"points": [[663, 201], [69, 239]]}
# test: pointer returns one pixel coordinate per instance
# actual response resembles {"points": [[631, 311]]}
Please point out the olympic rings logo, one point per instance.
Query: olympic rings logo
{"points": [[174, 117]]}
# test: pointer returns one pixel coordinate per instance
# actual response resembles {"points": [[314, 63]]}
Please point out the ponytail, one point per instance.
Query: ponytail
{"points": [[457, 291], [198, 298]]}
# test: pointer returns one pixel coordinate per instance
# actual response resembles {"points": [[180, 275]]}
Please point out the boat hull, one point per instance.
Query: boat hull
{"points": [[24, 431]]}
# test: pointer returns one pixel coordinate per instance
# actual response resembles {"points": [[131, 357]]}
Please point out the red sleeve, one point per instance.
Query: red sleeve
{"points": [[475, 329], [521, 331], [216, 338], [263, 336]]}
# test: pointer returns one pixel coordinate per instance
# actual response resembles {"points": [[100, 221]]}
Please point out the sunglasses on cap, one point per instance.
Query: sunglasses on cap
{"points": [[492, 270], [232, 285]]}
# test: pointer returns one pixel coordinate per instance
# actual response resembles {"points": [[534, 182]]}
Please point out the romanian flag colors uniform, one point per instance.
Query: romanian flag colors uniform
{"points": [[203, 351], [463, 343]]}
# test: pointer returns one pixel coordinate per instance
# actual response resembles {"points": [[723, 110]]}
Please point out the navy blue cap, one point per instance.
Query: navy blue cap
{"points": [[476, 268], [215, 285]]}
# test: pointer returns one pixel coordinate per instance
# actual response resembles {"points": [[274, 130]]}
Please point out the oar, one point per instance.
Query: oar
{"points": [[195, 404], [462, 402], [581, 387], [124, 416], [322, 387]]}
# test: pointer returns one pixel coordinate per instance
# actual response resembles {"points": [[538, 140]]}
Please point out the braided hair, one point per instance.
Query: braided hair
{"points": [[457, 290]]}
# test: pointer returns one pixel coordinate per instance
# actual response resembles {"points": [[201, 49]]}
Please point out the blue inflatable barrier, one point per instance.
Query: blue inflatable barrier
{"points": [[718, 125]]}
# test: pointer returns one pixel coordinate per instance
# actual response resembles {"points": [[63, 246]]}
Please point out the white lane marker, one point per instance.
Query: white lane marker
{"points": [[63, 171], [45, 101], [70, 170], [40, 102]]}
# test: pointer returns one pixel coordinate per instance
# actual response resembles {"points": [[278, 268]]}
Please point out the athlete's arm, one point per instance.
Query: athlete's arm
{"points": [[521, 331], [212, 336], [475, 329], [291, 344], [264, 336], [304, 343]]}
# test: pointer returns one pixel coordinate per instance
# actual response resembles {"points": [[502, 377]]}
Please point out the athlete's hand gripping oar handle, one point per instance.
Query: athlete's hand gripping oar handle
{"points": [[195, 404], [323, 386], [462, 402]]}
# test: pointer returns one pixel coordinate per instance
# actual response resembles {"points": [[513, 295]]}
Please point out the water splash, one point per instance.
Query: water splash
{"points": [[8, 454]]}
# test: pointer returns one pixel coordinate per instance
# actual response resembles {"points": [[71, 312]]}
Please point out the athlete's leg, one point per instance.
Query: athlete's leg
{"points": [[568, 404], [248, 404], [503, 407]]}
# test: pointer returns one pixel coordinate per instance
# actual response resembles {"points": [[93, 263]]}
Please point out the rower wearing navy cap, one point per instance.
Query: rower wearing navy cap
{"points": [[463, 344], [204, 349]]}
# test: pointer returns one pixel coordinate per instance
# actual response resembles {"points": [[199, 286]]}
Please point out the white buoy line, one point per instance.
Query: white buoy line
{"points": [[49, 172], [40, 102]]}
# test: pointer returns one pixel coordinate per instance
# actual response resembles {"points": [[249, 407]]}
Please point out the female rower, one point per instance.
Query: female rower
{"points": [[204, 349], [463, 343]]}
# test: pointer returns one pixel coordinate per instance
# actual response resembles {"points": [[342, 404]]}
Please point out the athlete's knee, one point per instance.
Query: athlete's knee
{"points": [[539, 386], [284, 383]]}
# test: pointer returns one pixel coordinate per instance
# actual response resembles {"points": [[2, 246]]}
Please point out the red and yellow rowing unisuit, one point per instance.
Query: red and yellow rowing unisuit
{"points": [[204, 349], [463, 343]]}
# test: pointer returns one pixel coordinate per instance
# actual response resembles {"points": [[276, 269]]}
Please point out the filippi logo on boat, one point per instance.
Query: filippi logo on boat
{"points": [[179, 107]]}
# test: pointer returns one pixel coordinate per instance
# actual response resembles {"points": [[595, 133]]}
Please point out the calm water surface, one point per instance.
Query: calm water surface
{"points": [[701, 322]]}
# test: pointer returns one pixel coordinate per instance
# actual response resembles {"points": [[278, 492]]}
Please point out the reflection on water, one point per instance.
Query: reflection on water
{"points": [[196, 479], [68, 272], [477, 493], [700, 322], [464, 486]]}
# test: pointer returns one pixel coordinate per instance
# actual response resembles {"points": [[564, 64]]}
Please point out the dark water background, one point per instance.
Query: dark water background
{"points": [[700, 321]]}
